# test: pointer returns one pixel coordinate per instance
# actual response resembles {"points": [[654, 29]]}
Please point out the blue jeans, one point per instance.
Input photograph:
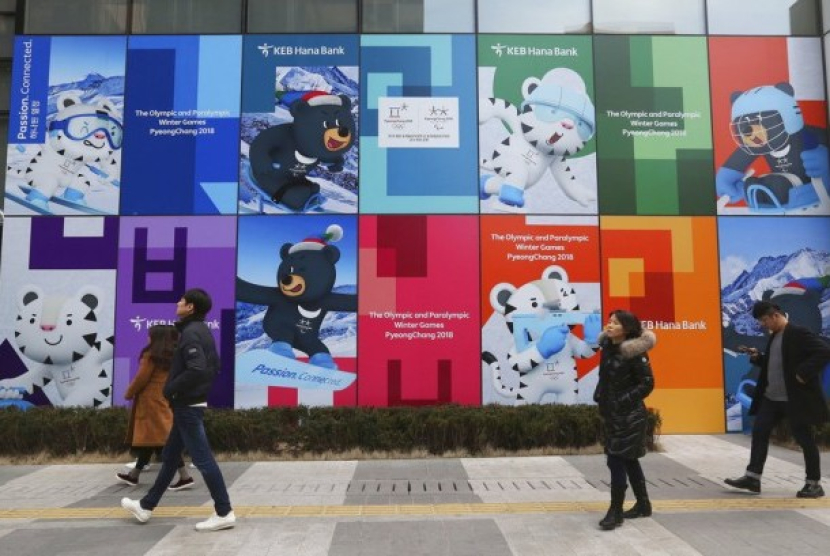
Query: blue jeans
{"points": [[188, 431]]}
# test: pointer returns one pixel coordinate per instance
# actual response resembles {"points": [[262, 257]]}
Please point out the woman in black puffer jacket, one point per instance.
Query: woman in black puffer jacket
{"points": [[625, 379]]}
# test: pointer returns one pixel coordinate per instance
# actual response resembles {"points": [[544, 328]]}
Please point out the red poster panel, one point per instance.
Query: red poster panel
{"points": [[769, 122], [418, 312], [539, 273]]}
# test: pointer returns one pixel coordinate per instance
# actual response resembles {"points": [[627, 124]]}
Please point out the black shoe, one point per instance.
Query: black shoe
{"points": [[612, 520], [810, 491], [126, 478], [746, 483], [182, 484], [642, 508]]}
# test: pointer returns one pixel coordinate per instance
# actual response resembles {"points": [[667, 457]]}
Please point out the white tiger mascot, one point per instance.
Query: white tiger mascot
{"points": [[555, 121], [546, 364], [80, 136], [60, 338]]}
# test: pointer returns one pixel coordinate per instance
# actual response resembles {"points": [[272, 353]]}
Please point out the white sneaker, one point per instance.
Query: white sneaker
{"points": [[131, 465], [216, 523], [134, 507]]}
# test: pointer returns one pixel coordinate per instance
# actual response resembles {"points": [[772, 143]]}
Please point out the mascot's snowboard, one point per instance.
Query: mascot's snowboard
{"points": [[262, 366]]}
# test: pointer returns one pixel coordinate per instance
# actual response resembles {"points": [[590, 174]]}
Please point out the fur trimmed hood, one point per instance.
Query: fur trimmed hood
{"points": [[634, 346]]}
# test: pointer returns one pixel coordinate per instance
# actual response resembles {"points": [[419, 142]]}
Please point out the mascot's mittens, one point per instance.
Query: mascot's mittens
{"points": [[553, 340], [592, 328], [816, 162], [729, 182]]}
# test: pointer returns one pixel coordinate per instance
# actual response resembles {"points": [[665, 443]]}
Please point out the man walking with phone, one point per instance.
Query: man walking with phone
{"points": [[789, 386]]}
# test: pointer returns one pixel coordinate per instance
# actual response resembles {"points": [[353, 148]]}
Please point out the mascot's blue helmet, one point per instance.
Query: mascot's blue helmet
{"points": [[552, 102], [764, 118]]}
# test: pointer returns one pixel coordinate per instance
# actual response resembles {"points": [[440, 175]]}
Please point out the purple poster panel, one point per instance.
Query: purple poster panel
{"points": [[57, 297], [158, 259]]}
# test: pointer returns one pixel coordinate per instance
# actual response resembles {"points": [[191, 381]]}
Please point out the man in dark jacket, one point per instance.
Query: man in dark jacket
{"points": [[194, 366], [789, 386]]}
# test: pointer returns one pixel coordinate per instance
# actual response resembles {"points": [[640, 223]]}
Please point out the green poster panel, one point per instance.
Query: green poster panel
{"points": [[654, 138]]}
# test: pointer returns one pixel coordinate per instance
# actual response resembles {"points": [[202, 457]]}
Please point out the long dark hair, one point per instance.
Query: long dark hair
{"points": [[629, 321], [163, 338]]}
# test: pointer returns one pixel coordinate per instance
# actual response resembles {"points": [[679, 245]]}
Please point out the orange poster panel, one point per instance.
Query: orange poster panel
{"points": [[665, 270]]}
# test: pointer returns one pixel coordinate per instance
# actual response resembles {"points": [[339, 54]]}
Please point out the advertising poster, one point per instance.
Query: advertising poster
{"points": [[182, 122], [299, 144], [65, 126], [159, 258], [664, 270], [57, 292], [296, 311], [419, 310], [536, 124], [786, 262], [652, 98], [540, 276], [418, 131], [769, 116]]}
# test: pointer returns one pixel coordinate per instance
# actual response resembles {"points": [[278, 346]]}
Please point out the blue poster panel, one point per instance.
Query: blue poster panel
{"points": [[418, 126], [778, 259], [159, 258], [296, 311], [58, 296], [65, 127], [182, 125], [299, 146]]}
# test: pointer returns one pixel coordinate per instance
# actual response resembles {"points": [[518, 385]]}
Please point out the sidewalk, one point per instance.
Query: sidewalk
{"points": [[493, 506]]}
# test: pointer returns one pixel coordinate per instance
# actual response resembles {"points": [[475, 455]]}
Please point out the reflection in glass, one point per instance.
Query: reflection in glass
{"points": [[654, 17], [75, 17], [534, 16], [763, 17], [187, 16], [418, 16], [302, 16]]}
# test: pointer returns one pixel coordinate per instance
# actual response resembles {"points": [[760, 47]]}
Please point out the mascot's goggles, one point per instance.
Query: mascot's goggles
{"points": [[760, 132], [82, 126]]}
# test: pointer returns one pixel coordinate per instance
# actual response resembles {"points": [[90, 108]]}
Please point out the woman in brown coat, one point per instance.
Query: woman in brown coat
{"points": [[151, 417]]}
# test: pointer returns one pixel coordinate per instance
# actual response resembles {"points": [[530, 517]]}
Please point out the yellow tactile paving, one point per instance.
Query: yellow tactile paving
{"points": [[737, 504]]}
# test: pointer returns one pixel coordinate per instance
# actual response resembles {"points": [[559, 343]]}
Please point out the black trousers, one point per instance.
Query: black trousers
{"points": [[144, 453], [620, 467], [770, 414]]}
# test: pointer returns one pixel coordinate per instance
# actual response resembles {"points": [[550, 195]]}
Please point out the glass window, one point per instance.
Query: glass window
{"points": [[655, 17], [6, 35], [826, 42], [187, 16], [4, 145], [763, 17], [5, 85], [392, 16], [302, 16], [534, 16], [418, 16], [825, 15], [75, 17], [8, 6]]}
